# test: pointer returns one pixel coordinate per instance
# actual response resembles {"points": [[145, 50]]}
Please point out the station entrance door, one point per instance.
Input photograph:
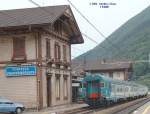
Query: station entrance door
{"points": [[49, 90]]}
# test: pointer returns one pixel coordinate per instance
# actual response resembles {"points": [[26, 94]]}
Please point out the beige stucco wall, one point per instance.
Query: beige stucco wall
{"points": [[30, 47], [19, 89], [118, 75], [53, 80], [24, 88], [6, 46], [44, 87], [55, 71], [53, 40]]}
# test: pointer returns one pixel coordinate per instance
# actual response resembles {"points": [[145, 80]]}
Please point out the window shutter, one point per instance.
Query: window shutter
{"points": [[57, 52], [64, 53], [19, 48], [48, 49]]}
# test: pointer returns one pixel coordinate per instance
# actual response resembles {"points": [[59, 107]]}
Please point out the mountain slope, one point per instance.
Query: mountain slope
{"points": [[129, 42]]}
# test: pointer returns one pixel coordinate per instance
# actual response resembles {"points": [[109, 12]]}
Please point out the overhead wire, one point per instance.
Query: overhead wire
{"points": [[133, 61], [42, 8], [14, 18], [106, 39], [118, 50], [136, 61], [65, 23], [92, 24]]}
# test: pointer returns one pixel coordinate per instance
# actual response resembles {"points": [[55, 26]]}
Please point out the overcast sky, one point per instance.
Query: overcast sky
{"points": [[106, 20]]}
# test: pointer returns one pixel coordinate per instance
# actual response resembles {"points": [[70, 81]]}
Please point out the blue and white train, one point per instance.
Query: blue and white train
{"points": [[102, 90]]}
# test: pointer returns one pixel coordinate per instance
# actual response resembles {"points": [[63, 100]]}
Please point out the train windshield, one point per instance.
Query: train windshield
{"points": [[93, 89]]}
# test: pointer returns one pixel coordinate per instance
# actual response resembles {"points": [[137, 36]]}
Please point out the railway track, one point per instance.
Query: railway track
{"points": [[85, 110], [130, 110], [119, 108], [124, 108]]}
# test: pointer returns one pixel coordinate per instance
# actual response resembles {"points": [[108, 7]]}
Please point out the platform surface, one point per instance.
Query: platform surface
{"points": [[57, 109]]}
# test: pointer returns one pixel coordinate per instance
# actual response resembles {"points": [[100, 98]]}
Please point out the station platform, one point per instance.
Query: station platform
{"points": [[57, 109]]}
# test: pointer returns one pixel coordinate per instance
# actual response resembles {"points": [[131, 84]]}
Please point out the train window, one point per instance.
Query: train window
{"points": [[95, 84], [101, 85], [118, 89], [131, 88], [126, 89], [113, 87]]}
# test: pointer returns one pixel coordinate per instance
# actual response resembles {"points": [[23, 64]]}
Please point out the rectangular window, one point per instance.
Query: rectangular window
{"points": [[57, 52], [57, 87], [19, 49], [101, 84], [65, 87], [48, 48], [64, 53], [58, 27], [113, 87]]}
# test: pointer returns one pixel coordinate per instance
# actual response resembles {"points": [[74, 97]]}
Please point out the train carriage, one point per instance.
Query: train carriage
{"points": [[102, 90]]}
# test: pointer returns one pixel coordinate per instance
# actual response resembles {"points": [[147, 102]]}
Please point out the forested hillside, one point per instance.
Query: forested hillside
{"points": [[129, 42]]}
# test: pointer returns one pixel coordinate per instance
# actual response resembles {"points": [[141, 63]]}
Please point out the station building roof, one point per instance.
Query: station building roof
{"points": [[40, 16]]}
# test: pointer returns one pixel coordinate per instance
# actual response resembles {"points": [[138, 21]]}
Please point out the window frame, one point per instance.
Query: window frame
{"points": [[19, 54], [65, 78], [57, 52], [48, 48], [58, 27], [57, 87], [65, 53]]}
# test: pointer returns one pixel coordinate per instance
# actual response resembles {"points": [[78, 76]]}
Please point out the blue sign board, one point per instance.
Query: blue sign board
{"points": [[20, 70]]}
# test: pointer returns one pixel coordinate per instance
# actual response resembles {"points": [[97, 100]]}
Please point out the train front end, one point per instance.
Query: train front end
{"points": [[93, 96]]}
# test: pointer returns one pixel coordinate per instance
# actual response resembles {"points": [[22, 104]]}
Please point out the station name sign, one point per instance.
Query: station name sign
{"points": [[20, 70]]}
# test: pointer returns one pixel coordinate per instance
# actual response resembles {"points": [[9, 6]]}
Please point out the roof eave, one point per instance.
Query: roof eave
{"points": [[77, 38], [115, 69]]}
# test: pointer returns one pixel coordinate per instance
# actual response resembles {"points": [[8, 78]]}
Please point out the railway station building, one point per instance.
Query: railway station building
{"points": [[35, 55], [116, 69], [120, 70]]}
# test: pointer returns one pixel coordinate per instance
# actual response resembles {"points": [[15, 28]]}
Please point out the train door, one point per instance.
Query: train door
{"points": [[93, 89]]}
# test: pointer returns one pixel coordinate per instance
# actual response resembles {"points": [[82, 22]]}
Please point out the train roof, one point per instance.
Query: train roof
{"points": [[89, 77]]}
